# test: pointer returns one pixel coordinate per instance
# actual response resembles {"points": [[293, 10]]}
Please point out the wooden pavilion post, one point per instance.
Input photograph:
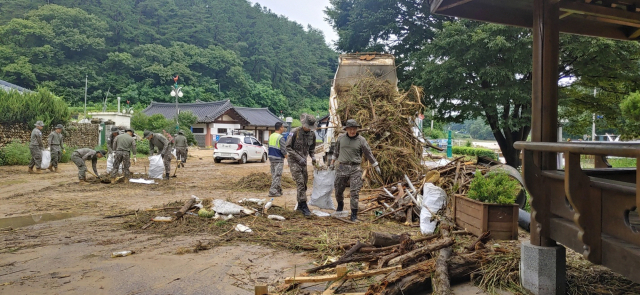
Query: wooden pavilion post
{"points": [[544, 111]]}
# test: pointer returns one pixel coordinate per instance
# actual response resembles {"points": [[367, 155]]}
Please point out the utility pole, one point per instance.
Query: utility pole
{"points": [[176, 92], [86, 81], [593, 127]]}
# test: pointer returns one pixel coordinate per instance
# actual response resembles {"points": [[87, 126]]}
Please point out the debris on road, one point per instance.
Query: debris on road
{"points": [[121, 254]]}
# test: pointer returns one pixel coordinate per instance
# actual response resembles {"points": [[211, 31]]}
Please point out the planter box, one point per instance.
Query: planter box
{"points": [[478, 218]]}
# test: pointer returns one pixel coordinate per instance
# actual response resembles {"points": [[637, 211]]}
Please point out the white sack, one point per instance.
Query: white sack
{"points": [[322, 188], [320, 213], [224, 208], [173, 152], [156, 167], [46, 159], [434, 199], [110, 160], [141, 180]]}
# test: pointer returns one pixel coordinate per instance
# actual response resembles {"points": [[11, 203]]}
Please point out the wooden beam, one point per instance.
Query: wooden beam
{"points": [[333, 277], [601, 11], [435, 4], [453, 5], [565, 14], [635, 34], [608, 20]]}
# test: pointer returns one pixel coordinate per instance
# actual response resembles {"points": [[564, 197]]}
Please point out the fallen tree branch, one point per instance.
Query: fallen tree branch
{"points": [[422, 251], [484, 238]]}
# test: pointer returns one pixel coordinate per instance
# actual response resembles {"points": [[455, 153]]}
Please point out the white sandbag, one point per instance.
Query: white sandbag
{"points": [[242, 228], [320, 213], [276, 217], [46, 159], [434, 199], [322, 188], [110, 159], [156, 167], [224, 208], [173, 152]]}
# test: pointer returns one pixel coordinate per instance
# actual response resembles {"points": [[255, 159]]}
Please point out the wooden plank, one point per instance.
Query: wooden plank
{"points": [[261, 290], [475, 213], [514, 228], [587, 204], [600, 11], [485, 219], [614, 205], [621, 257], [500, 226], [333, 277], [460, 2], [635, 34], [501, 213], [565, 231]]}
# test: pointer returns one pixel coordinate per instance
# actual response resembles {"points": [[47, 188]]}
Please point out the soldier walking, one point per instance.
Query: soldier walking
{"points": [[301, 144], [36, 147], [277, 154], [157, 140], [80, 155], [124, 144], [182, 148], [56, 146], [349, 149]]}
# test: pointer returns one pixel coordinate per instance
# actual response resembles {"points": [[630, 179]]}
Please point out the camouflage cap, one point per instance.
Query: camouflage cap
{"points": [[351, 123], [59, 126], [147, 133], [114, 129], [308, 121], [39, 124], [181, 132]]}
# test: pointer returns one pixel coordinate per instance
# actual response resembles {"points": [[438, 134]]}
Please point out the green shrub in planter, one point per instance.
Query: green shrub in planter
{"points": [[471, 151], [494, 188]]}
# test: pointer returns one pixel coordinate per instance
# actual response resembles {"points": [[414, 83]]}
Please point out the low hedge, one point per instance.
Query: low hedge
{"points": [[477, 152], [17, 153]]}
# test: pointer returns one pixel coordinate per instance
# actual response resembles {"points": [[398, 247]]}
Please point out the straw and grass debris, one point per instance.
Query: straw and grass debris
{"points": [[261, 181], [387, 117]]}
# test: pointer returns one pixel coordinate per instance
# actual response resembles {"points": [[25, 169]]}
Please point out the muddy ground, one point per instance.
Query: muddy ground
{"points": [[72, 255]]}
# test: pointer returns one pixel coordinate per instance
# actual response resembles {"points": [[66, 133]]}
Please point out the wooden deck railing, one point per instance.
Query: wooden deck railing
{"points": [[586, 210]]}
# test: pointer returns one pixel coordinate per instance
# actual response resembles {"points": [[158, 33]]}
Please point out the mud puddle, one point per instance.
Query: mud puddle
{"points": [[22, 221]]}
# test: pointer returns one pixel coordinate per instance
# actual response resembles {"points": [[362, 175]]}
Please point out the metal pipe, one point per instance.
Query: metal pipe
{"points": [[524, 220]]}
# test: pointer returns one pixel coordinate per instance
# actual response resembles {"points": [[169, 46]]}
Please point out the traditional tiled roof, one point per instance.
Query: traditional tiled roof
{"points": [[209, 111], [205, 111], [258, 117], [8, 87]]}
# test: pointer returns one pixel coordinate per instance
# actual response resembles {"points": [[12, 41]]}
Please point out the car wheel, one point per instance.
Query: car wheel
{"points": [[243, 159], [217, 160], [264, 158]]}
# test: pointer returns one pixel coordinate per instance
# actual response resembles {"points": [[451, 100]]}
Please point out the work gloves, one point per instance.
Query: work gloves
{"points": [[377, 168], [314, 162]]}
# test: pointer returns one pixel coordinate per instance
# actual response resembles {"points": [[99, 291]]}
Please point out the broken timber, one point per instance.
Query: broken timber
{"points": [[333, 277]]}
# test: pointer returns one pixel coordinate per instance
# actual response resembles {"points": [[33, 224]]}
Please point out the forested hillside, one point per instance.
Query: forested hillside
{"points": [[221, 49]]}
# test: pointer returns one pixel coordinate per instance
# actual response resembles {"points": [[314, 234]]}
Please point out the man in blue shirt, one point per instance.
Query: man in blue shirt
{"points": [[277, 154]]}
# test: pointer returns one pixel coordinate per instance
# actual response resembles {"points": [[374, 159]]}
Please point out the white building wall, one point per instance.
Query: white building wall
{"points": [[203, 126], [229, 127], [119, 119]]}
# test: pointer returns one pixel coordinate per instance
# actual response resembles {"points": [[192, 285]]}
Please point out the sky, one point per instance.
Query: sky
{"points": [[303, 12]]}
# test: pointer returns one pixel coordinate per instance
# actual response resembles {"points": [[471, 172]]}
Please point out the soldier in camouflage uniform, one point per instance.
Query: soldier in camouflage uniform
{"points": [[114, 132], [36, 147], [301, 144], [277, 154], [56, 146], [349, 149], [181, 147], [124, 144], [158, 140], [80, 155]]}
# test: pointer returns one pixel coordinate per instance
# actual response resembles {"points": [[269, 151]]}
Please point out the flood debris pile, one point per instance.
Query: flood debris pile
{"points": [[261, 181], [402, 201], [317, 236], [388, 119]]}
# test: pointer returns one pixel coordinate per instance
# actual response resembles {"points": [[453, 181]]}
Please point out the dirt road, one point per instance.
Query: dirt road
{"points": [[72, 255]]}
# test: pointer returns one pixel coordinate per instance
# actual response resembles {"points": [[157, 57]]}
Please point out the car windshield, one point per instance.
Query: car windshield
{"points": [[231, 140]]}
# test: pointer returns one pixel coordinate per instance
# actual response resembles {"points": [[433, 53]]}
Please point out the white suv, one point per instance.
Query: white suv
{"points": [[239, 148]]}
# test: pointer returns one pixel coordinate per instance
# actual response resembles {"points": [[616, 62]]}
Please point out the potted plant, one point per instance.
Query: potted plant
{"points": [[490, 206]]}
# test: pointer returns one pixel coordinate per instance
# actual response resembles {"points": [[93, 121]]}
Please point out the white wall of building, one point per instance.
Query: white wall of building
{"points": [[118, 118], [203, 126], [229, 127]]}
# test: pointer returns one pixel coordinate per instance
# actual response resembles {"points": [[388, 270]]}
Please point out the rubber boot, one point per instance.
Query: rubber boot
{"points": [[31, 170], [354, 215], [50, 168], [340, 206], [56, 170], [38, 171], [166, 176], [83, 182], [302, 207]]}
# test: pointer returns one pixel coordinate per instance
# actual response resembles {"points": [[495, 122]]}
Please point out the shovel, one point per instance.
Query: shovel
{"points": [[176, 170]]}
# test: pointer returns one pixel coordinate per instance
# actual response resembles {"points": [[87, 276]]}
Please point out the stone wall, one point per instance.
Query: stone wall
{"points": [[75, 134]]}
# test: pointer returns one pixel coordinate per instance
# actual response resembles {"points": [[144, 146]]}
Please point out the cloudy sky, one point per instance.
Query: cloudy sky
{"points": [[303, 12]]}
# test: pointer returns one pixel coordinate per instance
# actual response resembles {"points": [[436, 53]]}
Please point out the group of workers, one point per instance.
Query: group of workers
{"points": [[120, 145], [350, 148]]}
